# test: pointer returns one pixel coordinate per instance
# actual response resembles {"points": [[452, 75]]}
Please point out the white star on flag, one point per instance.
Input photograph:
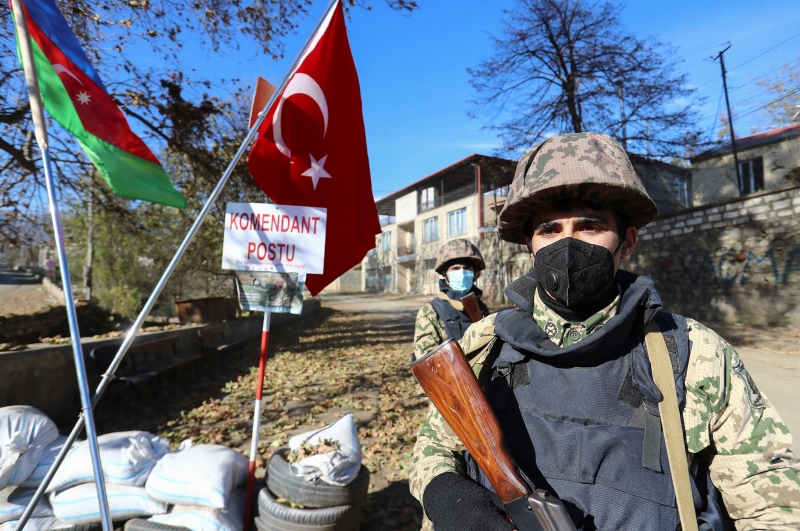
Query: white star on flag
{"points": [[83, 98], [316, 171]]}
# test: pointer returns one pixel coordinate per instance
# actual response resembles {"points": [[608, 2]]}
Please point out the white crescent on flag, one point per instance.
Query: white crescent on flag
{"points": [[300, 84], [61, 69]]}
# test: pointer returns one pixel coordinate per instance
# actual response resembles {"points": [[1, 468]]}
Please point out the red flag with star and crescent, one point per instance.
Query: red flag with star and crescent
{"points": [[312, 150]]}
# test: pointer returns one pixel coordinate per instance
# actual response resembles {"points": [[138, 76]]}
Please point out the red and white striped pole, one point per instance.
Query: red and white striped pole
{"points": [[262, 364]]}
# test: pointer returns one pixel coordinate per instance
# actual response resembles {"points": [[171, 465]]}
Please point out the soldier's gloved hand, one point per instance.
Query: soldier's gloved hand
{"points": [[456, 503]]}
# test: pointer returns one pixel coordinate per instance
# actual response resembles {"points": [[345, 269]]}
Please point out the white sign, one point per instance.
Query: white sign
{"points": [[262, 237]]}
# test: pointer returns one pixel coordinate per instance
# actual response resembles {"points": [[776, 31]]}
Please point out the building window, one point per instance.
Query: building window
{"points": [[430, 230], [427, 199], [428, 271], [751, 175], [386, 242], [456, 223]]}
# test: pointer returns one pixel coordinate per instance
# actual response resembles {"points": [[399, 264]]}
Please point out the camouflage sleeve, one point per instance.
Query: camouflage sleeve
{"points": [[741, 434], [438, 449], [429, 331]]}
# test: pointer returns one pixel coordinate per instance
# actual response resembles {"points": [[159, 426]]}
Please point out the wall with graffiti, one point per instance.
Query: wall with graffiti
{"points": [[736, 261]]}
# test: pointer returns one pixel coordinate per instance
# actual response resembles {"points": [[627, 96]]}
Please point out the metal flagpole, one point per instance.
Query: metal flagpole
{"points": [[131, 335], [40, 129], [262, 364]]}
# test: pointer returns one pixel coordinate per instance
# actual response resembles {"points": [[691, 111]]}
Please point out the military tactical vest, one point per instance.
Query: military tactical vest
{"points": [[582, 421], [455, 321]]}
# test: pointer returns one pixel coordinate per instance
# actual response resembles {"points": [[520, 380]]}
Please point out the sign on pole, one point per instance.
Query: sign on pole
{"points": [[268, 291], [264, 237]]}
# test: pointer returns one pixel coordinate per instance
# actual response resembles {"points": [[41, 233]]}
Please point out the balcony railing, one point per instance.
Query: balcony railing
{"points": [[449, 197]]}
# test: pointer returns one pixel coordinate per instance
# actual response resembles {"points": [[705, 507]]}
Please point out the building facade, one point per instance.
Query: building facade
{"points": [[766, 160], [463, 201]]}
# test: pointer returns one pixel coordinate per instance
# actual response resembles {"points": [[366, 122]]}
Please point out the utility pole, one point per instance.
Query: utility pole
{"points": [[730, 119], [622, 115]]}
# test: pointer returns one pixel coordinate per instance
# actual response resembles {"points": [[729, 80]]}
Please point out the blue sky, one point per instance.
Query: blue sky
{"points": [[415, 86]]}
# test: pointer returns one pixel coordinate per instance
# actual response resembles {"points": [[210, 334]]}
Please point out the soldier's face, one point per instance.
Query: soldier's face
{"points": [[598, 226], [457, 267]]}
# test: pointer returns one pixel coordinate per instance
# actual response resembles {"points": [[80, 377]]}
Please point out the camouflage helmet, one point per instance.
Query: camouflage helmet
{"points": [[460, 249], [586, 166]]}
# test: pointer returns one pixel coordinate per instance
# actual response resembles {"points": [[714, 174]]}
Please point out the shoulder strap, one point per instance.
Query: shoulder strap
{"points": [[663, 376]]}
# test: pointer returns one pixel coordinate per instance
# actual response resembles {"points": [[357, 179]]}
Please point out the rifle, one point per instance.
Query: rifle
{"points": [[451, 385], [470, 302]]}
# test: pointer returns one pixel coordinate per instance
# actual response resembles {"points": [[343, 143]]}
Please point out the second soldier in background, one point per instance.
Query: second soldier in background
{"points": [[459, 262]]}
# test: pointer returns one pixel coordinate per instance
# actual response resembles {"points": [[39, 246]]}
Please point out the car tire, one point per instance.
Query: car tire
{"points": [[318, 494], [274, 516]]}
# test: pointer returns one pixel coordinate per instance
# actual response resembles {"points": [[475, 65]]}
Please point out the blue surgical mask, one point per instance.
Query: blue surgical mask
{"points": [[460, 279]]}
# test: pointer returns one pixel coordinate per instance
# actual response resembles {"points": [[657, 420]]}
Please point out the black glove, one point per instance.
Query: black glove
{"points": [[456, 503]]}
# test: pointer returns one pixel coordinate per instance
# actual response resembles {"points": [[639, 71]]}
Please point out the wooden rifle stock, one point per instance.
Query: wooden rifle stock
{"points": [[449, 382], [471, 306]]}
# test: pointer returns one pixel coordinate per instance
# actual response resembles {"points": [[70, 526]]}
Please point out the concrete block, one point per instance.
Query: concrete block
{"points": [[778, 205], [714, 217], [752, 202], [759, 209], [680, 224], [796, 201], [675, 232], [705, 226], [712, 210], [797, 209], [760, 217], [694, 221], [784, 213], [720, 224], [687, 230], [730, 215], [658, 235], [646, 237]]}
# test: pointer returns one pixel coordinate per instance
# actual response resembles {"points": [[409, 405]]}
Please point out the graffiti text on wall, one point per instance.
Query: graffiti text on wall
{"points": [[731, 268]]}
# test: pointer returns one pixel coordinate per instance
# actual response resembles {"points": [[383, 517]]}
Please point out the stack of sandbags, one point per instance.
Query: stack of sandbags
{"points": [[205, 484], [27, 438], [127, 459]]}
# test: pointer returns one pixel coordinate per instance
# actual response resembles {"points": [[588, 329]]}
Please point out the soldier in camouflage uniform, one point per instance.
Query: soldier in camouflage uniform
{"points": [[569, 194], [444, 317]]}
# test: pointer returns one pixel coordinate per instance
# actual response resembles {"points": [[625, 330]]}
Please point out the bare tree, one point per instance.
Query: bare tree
{"points": [[565, 66]]}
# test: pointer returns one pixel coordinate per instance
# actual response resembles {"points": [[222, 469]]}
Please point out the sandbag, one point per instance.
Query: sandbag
{"points": [[44, 523], [46, 461], [338, 467], [25, 432], [79, 504], [204, 475], [206, 519], [127, 458], [13, 501]]}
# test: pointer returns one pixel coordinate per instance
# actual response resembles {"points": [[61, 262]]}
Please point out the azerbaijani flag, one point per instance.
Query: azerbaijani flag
{"points": [[75, 97]]}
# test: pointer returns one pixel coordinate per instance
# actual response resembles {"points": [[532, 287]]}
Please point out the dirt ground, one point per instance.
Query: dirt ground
{"points": [[334, 362], [353, 355], [22, 293]]}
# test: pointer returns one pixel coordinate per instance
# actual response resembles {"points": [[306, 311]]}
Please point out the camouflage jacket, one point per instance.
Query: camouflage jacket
{"points": [[429, 330], [735, 427]]}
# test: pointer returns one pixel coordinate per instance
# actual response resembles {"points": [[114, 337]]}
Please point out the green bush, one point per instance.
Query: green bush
{"points": [[121, 300]]}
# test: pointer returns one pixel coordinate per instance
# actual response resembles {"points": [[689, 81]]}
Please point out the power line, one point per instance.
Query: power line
{"points": [[762, 53], [716, 113], [751, 111], [765, 75]]}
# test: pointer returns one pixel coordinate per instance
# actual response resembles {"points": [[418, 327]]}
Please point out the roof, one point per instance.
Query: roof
{"points": [[494, 170], [748, 142]]}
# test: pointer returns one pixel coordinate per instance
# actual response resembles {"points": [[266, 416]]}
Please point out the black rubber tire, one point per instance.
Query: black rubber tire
{"points": [[284, 484], [97, 526], [140, 524], [274, 516]]}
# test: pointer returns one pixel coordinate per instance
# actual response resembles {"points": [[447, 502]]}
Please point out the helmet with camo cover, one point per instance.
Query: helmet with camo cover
{"points": [[459, 250], [587, 166]]}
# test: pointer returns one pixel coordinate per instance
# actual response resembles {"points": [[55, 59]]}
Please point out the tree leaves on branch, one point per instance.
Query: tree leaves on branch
{"points": [[558, 67]]}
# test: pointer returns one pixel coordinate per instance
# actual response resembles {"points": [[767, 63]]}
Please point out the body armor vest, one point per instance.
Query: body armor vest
{"points": [[455, 321], [582, 421]]}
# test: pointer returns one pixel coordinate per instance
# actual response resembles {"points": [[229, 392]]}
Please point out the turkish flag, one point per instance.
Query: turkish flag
{"points": [[312, 150]]}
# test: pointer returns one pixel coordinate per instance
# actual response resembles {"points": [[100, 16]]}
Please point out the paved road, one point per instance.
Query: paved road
{"points": [[777, 374]]}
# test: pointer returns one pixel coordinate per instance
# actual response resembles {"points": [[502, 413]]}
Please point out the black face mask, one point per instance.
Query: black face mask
{"points": [[575, 272]]}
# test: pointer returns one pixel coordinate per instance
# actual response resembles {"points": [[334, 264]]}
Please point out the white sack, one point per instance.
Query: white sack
{"points": [[25, 432], [44, 523], [46, 461], [127, 458], [207, 519], [204, 474], [79, 505], [338, 467], [13, 501]]}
